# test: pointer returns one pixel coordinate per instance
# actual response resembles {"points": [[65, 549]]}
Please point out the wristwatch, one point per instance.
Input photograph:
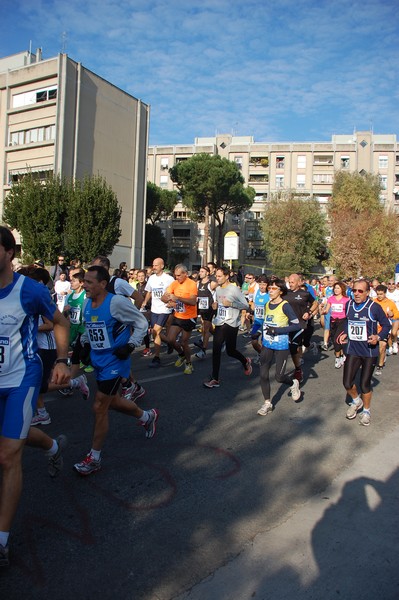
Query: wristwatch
{"points": [[65, 361]]}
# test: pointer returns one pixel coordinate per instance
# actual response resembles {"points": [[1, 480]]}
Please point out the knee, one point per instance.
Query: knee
{"points": [[100, 404]]}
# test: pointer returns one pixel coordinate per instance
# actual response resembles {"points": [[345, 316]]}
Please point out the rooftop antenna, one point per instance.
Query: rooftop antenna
{"points": [[64, 37]]}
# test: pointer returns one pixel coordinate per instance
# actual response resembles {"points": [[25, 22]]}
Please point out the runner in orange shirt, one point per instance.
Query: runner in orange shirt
{"points": [[181, 295], [390, 309]]}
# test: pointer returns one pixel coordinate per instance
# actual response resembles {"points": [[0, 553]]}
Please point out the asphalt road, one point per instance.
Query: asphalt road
{"points": [[165, 514]]}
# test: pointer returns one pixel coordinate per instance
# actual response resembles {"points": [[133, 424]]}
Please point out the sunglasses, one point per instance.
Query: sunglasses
{"points": [[359, 291], [273, 287]]}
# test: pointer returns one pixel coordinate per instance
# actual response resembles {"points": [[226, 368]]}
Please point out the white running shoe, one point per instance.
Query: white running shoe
{"points": [[295, 391], [266, 408]]}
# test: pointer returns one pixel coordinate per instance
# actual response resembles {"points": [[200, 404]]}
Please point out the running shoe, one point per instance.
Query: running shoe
{"points": [[324, 347], [88, 465], [389, 351], [295, 391], [4, 556], [338, 362], [353, 409], [201, 354], [41, 419], [211, 383], [180, 361], [151, 425], [83, 387], [147, 352], [266, 408], [378, 371], [365, 418], [127, 389], [298, 374], [256, 360], [248, 367], [395, 347], [138, 392], [188, 369], [56, 462], [155, 363], [89, 369], [66, 391]]}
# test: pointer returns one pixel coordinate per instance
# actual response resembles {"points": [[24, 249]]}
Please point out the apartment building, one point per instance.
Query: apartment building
{"points": [[308, 168], [56, 116]]}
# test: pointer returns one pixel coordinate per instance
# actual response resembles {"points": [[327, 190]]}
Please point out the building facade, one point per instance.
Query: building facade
{"points": [[307, 168], [58, 117]]}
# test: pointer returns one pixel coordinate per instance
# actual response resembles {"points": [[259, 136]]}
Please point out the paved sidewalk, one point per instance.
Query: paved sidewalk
{"points": [[343, 543]]}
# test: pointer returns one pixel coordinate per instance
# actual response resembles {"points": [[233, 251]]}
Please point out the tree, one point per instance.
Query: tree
{"points": [[295, 233], [80, 218], [155, 244], [212, 186], [93, 219], [38, 212], [364, 236], [160, 203]]}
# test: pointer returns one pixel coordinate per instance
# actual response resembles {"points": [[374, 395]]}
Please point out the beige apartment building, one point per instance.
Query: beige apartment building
{"points": [[56, 116], [308, 168]]}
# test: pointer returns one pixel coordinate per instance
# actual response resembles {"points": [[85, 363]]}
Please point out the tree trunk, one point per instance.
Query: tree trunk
{"points": [[206, 236]]}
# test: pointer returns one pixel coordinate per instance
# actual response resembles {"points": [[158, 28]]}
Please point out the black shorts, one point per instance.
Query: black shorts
{"points": [[48, 359], [207, 315], [77, 347], [109, 387], [185, 324]]}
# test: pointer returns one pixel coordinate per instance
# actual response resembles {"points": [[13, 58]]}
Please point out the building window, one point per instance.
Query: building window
{"points": [[280, 162], [163, 181], [382, 162], [301, 164], [260, 197], [32, 136], [323, 159], [322, 178], [238, 161], [279, 181], [300, 181], [181, 233], [384, 182], [180, 215], [28, 98], [344, 162], [164, 163], [258, 178]]}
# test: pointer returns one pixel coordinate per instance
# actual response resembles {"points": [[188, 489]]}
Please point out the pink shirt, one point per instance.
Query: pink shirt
{"points": [[337, 309]]}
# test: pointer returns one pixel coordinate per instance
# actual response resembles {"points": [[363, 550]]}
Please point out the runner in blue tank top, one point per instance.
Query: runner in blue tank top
{"points": [[114, 327]]}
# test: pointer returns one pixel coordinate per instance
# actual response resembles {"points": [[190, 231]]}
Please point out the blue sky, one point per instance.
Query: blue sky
{"points": [[281, 70]]}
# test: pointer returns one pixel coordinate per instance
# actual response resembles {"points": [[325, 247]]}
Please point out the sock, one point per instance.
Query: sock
{"points": [[357, 400], [42, 412], [95, 454], [4, 538], [53, 450], [366, 410], [144, 417]]}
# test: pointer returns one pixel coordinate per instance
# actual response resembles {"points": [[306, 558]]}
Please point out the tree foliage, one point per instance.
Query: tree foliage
{"points": [[160, 203], [206, 180], [93, 219], [80, 218], [364, 236], [294, 233], [38, 212]]}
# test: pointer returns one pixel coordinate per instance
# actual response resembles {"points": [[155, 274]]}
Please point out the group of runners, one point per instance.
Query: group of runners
{"points": [[103, 319]]}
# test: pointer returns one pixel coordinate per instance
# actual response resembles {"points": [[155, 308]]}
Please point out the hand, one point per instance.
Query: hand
{"points": [[61, 374], [84, 355], [269, 330], [123, 352]]}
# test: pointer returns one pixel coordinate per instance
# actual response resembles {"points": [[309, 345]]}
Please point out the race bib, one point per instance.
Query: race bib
{"points": [[98, 335], [259, 312], [357, 331], [157, 292], [74, 315], [223, 314], [4, 354], [337, 308], [180, 307], [203, 303]]}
